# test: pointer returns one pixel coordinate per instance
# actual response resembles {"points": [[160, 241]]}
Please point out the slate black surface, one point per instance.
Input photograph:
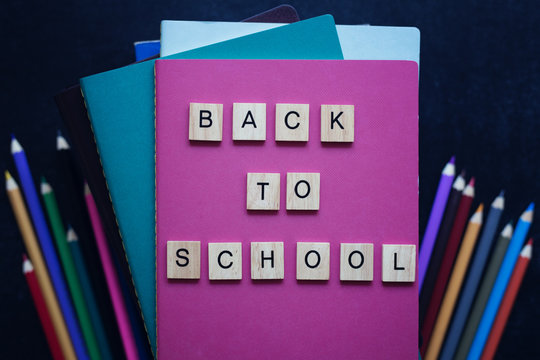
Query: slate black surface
{"points": [[479, 91]]}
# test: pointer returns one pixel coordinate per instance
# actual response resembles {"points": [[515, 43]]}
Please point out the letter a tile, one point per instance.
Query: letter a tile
{"points": [[399, 263], [249, 121], [205, 122]]}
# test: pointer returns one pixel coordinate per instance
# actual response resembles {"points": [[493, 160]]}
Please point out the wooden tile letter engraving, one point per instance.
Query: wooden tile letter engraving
{"points": [[292, 122], [183, 259], [356, 262], [312, 261], [267, 260], [225, 261], [303, 191], [263, 191], [205, 122], [249, 121], [337, 123], [399, 263]]}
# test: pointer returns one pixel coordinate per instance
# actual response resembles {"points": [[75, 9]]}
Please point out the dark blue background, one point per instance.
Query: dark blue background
{"points": [[479, 91]]}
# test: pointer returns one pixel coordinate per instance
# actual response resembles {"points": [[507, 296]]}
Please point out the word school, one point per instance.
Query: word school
{"points": [[312, 261], [249, 122]]}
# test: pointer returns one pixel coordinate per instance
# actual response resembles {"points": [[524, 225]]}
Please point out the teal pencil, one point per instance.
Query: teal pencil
{"points": [[95, 317]]}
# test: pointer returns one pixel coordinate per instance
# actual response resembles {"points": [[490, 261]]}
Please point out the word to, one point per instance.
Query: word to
{"points": [[312, 261], [249, 122], [303, 191]]}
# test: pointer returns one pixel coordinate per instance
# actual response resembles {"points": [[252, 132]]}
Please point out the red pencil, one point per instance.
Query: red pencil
{"points": [[508, 301], [41, 308], [445, 270]]}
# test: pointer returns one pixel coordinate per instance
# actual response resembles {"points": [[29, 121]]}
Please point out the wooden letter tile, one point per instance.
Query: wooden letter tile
{"points": [[356, 262], [303, 191], [249, 121], [183, 259], [267, 260], [292, 122], [312, 261], [205, 122], [399, 263], [225, 261], [337, 123], [263, 191]]}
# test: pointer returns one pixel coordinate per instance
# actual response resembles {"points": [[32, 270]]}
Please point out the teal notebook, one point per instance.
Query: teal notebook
{"points": [[120, 105]]}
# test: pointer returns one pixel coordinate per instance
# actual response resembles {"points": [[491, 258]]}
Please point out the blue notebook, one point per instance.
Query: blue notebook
{"points": [[120, 105]]}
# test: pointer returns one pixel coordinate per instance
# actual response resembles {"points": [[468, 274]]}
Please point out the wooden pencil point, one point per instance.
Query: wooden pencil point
{"points": [[61, 142], [15, 145]]}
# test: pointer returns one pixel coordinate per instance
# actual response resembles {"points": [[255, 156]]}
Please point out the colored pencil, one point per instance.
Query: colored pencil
{"points": [[473, 278], [95, 316], [434, 221], [122, 319], [440, 245], [508, 302], [41, 307], [446, 267], [454, 285], [73, 207], [47, 247], [42, 274], [70, 273], [483, 293], [497, 293]]}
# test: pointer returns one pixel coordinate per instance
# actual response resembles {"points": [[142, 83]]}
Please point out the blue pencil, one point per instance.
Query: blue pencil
{"points": [[497, 293], [47, 247], [473, 278]]}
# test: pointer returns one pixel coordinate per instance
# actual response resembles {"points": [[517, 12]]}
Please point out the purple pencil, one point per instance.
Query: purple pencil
{"points": [[437, 211]]}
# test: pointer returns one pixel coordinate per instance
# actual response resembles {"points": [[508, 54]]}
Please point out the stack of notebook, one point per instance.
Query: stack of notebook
{"points": [[154, 184]]}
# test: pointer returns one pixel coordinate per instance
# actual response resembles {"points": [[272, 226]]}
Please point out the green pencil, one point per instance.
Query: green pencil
{"points": [[76, 253], [69, 269], [483, 293]]}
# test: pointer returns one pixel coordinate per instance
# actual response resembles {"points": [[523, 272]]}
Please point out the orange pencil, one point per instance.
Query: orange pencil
{"points": [[508, 301]]}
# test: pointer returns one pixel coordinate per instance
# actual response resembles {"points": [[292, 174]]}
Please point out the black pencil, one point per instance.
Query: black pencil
{"points": [[73, 211], [440, 244]]}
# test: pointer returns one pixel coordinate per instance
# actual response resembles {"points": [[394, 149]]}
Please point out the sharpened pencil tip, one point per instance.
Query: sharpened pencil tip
{"points": [[8, 175], [530, 242], [71, 235], [24, 257], [61, 142], [45, 186], [15, 145], [501, 194], [471, 182], [86, 188], [452, 160], [530, 207]]}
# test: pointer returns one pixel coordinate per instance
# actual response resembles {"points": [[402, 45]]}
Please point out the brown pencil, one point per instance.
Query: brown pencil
{"points": [[30, 242]]}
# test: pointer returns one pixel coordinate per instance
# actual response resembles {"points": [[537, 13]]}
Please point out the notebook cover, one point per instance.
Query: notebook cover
{"points": [[120, 105], [369, 193], [358, 42], [285, 14]]}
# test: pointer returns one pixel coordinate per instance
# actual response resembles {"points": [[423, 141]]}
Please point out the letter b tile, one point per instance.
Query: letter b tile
{"points": [[205, 122]]}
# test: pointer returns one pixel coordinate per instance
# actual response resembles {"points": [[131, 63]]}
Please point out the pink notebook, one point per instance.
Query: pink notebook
{"points": [[368, 194]]}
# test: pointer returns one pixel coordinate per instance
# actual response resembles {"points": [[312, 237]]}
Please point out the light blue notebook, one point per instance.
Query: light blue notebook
{"points": [[358, 42], [120, 105]]}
